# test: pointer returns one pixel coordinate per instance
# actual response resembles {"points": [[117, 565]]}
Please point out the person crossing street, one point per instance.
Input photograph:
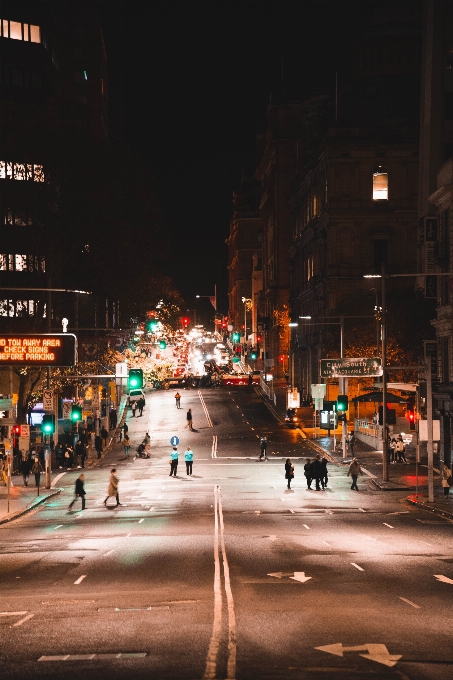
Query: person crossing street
{"points": [[188, 457], [113, 487], [174, 456], [178, 400], [354, 471], [79, 491]]}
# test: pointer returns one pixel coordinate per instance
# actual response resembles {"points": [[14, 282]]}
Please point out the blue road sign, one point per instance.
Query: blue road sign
{"points": [[174, 441]]}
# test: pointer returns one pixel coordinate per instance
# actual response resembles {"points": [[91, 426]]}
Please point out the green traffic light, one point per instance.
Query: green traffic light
{"points": [[162, 344], [47, 428], [134, 382], [236, 337]]}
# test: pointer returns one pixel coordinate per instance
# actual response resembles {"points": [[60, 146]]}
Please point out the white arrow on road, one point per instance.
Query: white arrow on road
{"points": [[444, 579], [294, 575], [376, 652]]}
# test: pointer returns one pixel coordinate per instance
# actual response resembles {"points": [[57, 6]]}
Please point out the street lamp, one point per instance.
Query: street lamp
{"points": [[247, 306], [213, 301]]}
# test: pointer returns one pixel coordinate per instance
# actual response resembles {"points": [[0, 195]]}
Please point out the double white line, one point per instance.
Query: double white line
{"points": [[205, 409], [214, 446], [210, 672]]}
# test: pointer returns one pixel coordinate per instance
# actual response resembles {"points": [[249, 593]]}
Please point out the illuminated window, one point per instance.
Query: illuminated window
{"points": [[18, 308], [38, 173], [21, 171], [20, 263], [380, 184], [3, 261], [15, 30], [35, 34]]}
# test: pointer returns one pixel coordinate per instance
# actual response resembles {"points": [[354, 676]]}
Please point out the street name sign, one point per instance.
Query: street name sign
{"points": [[174, 441], [357, 367], [50, 349]]}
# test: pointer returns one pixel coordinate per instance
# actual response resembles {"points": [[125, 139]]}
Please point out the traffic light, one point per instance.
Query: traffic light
{"points": [[281, 358], [342, 402], [236, 337], [16, 430], [48, 424], [152, 324], [258, 339], [135, 379], [162, 344], [254, 354], [410, 415], [185, 321], [76, 413]]}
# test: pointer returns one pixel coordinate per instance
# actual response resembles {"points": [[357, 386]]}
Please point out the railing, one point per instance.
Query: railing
{"points": [[268, 391], [365, 427]]}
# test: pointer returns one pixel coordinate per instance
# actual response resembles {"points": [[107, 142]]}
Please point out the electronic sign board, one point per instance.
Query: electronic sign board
{"points": [[35, 349]]}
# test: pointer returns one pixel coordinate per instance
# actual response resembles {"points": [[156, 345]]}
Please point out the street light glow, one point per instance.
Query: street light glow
{"points": [[305, 317], [293, 323], [372, 276]]}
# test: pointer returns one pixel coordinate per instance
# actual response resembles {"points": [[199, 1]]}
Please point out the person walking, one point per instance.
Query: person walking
{"points": [[36, 470], [351, 442], [263, 446], [392, 448], [178, 400], [127, 445], [59, 455], [188, 457], [69, 458], [354, 471], [98, 445], [400, 450], [134, 408], [147, 439], [289, 472], [324, 477], [141, 405], [189, 420], [446, 480], [104, 435], [79, 453], [125, 429], [25, 468], [113, 487], [83, 454], [79, 491], [174, 456], [316, 471], [307, 473], [113, 418]]}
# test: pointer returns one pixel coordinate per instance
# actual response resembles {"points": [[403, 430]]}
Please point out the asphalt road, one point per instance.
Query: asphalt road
{"points": [[225, 574]]}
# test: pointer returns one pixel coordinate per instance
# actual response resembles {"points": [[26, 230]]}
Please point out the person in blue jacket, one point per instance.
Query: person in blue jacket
{"points": [[188, 457], [174, 455]]}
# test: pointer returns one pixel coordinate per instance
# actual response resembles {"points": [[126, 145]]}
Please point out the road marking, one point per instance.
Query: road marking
{"points": [[376, 652], [370, 538], [13, 613], [357, 566], [127, 535], [26, 618], [57, 527], [306, 526], [293, 511], [89, 657], [151, 509], [388, 525], [443, 579], [56, 479], [257, 512], [214, 446], [214, 643], [412, 604], [205, 409], [362, 510], [80, 579], [430, 544], [253, 429], [273, 537], [232, 648], [326, 543], [300, 576], [140, 521], [108, 553]]}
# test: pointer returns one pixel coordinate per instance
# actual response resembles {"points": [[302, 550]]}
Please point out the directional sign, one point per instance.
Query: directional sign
{"points": [[354, 367], [294, 575], [444, 579], [376, 652], [174, 441]]}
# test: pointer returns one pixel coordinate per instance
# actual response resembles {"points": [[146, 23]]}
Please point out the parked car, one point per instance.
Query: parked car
{"points": [[135, 395]]}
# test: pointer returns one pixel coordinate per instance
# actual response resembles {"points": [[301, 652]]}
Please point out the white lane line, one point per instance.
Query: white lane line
{"points": [[56, 479], [109, 552], [293, 511], [13, 613], [205, 409], [26, 618], [412, 604], [151, 509], [80, 579], [140, 521], [306, 526], [357, 566], [210, 671], [388, 525], [232, 648], [425, 543], [370, 538], [214, 446], [57, 527], [362, 510], [326, 543]]}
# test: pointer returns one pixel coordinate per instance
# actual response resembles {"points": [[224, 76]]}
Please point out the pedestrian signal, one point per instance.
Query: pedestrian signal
{"points": [[254, 354], [76, 413], [16, 429], [135, 379], [162, 344], [342, 402], [48, 424], [236, 337]]}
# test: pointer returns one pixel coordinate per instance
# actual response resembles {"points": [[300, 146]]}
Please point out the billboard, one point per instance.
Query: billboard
{"points": [[34, 349]]}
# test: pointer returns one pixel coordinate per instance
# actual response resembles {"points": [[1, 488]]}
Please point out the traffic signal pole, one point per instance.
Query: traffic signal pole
{"points": [[344, 423], [385, 460]]}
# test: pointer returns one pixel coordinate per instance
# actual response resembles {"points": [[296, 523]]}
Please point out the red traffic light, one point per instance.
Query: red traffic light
{"points": [[185, 321], [281, 358], [16, 429]]}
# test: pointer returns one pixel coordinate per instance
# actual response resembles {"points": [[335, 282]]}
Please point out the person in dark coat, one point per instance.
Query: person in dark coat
{"points": [[83, 455], [36, 470], [316, 471], [307, 473], [98, 445], [324, 477], [141, 405], [263, 446], [104, 435], [189, 419], [113, 418], [25, 468], [79, 491], [289, 472], [59, 454]]}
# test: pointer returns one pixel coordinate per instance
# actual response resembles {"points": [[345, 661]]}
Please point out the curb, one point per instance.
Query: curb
{"points": [[389, 486], [12, 516], [425, 506]]}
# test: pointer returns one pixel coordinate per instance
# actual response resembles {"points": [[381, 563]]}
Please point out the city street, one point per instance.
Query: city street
{"points": [[226, 573]]}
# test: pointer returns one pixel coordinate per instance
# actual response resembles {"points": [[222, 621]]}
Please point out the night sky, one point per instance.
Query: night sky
{"points": [[194, 79]]}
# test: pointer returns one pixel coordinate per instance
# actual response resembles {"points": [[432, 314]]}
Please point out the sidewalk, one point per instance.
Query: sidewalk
{"points": [[23, 499]]}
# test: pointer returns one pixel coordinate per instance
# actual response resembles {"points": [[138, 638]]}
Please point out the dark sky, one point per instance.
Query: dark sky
{"points": [[196, 78]]}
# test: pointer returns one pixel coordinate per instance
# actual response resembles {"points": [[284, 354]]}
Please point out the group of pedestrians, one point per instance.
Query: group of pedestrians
{"points": [[316, 471], [138, 405], [397, 450], [174, 459], [189, 423]]}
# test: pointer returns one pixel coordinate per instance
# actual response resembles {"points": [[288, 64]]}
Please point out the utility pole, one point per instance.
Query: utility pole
{"points": [[344, 423], [385, 461], [429, 417]]}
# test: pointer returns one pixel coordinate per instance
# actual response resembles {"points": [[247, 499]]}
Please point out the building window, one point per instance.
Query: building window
{"points": [[21, 171], [15, 30], [19, 308], [380, 184], [21, 263]]}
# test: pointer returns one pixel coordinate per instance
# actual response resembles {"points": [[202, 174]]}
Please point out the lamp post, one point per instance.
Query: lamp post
{"points": [[247, 306]]}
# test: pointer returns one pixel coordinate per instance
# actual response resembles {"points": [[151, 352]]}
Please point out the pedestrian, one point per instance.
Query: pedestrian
{"points": [[189, 420], [79, 449], [307, 473], [79, 491], [400, 450], [141, 405], [25, 468], [316, 471], [289, 472], [351, 443], [188, 457], [147, 439], [104, 435], [125, 429], [98, 445], [263, 446], [113, 487], [392, 447], [127, 445], [113, 418], [147, 450], [69, 458], [354, 471], [134, 408], [174, 455], [324, 477], [59, 455], [446, 480], [178, 400], [36, 470], [83, 454]]}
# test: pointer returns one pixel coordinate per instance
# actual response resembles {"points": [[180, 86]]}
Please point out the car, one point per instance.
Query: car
{"points": [[291, 418], [135, 395]]}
